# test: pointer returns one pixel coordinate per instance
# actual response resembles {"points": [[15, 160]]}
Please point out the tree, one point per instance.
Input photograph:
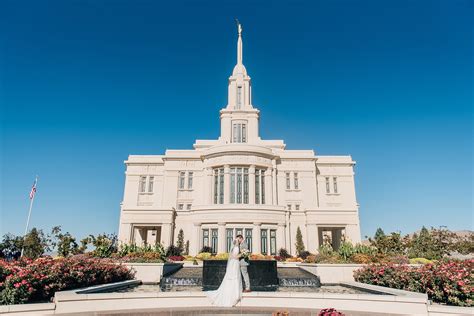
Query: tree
{"points": [[35, 244], [187, 248], [379, 234], [105, 245], [10, 247], [299, 242], [180, 242], [66, 244]]}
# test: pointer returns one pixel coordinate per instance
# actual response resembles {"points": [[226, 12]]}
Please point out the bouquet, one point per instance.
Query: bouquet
{"points": [[245, 254]]}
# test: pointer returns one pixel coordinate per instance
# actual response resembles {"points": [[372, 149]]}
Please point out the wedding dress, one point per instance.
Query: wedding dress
{"points": [[229, 292]]}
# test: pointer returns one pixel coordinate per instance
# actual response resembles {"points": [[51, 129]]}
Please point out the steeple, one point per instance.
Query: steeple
{"points": [[239, 119]]}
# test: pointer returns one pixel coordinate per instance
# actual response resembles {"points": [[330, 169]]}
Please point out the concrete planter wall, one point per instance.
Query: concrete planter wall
{"points": [[332, 273], [152, 272]]}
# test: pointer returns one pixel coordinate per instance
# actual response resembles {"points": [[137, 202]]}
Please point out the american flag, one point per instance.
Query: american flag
{"points": [[33, 189]]}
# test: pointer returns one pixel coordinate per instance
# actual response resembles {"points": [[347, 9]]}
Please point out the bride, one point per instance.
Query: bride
{"points": [[229, 292]]}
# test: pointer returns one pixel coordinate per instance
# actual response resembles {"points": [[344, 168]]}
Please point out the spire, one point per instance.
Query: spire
{"points": [[239, 43]]}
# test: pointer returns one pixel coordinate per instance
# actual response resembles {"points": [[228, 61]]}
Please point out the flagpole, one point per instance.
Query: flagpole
{"points": [[28, 220]]}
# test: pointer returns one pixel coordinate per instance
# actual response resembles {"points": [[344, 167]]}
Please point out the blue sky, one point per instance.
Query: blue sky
{"points": [[83, 84]]}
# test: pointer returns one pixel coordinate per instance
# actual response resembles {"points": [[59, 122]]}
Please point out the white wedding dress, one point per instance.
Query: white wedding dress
{"points": [[229, 292]]}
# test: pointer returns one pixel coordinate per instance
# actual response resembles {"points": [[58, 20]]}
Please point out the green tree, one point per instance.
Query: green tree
{"points": [[105, 245], [299, 242], [66, 244], [10, 247], [379, 234], [187, 248], [180, 242], [35, 244]]}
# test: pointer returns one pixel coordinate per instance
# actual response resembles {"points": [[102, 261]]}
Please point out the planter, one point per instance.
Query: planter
{"points": [[263, 274]]}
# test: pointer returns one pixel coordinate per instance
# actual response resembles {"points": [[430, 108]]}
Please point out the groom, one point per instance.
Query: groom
{"points": [[243, 264]]}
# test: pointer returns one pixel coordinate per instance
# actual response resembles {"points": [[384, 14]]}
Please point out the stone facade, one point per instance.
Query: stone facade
{"points": [[239, 184]]}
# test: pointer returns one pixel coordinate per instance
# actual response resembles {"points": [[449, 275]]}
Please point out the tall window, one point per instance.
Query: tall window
{"points": [[263, 240], [219, 186], [287, 176], [205, 237], [214, 234], [239, 133], [273, 242], [260, 186], [288, 207], [295, 180], [142, 184], [229, 238], [190, 180], [334, 182], [248, 238], [181, 179], [150, 184], [180, 206], [239, 97], [328, 188], [239, 185]]}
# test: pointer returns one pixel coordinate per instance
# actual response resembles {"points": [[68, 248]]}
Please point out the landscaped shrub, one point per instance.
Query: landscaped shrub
{"points": [[140, 254], [26, 281], [206, 249], [283, 253], [449, 281], [304, 254], [420, 261], [173, 250], [330, 312], [203, 255], [361, 258]]}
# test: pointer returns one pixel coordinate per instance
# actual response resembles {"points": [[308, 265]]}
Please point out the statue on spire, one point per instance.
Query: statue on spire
{"points": [[239, 27]]}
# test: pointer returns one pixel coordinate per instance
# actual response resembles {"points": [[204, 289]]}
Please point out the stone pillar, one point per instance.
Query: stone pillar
{"points": [[312, 237], [195, 245], [252, 185], [268, 187], [281, 239], [274, 183], [256, 238], [221, 238], [226, 184], [288, 232], [166, 234]]}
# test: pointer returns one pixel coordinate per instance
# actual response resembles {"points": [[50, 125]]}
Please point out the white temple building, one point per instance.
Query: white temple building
{"points": [[239, 184]]}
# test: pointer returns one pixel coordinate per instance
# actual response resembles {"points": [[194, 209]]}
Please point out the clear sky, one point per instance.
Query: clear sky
{"points": [[83, 84]]}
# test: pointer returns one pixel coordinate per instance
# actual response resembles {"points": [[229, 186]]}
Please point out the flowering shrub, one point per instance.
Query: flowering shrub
{"points": [[330, 312], [37, 280], [176, 258], [204, 255], [449, 282], [142, 257]]}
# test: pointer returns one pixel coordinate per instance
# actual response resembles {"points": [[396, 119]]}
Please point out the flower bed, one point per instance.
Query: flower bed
{"points": [[37, 280], [448, 282]]}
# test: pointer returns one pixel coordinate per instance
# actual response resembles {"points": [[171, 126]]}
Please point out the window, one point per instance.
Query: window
{"points": [[188, 207], [142, 184], [297, 207], [287, 175], [229, 238], [263, 240], [219, 186], [248, 238], [239, 231], [205, 237], [289, 206], [327, 185], [150, 184], [214, 234], [190, 180], [239, 97], [295, 179], [273, 242], [239, 185], [260, 186], [334, 180], [239, 133], [181, 178], [180, 207]]}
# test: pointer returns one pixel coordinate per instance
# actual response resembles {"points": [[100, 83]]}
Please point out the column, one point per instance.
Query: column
{"points": [[252, 185], [256, 238], [195, 245], [312, 237], [268, 187], [207, 182], [281, 240], [288, 232], [221, 238], [274, 183], [166, 234], [226, 184]]}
